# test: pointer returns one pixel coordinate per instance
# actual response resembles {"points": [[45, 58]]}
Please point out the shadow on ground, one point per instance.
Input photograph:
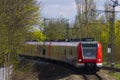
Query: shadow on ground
{"points": [[39, 70], [47, 71]]}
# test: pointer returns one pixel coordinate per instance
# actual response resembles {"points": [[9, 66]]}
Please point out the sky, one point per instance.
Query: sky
{"points": [[59, 8], [64, 8]]}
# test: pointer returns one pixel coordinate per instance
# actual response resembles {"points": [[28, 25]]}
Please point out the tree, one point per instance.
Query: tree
{"points": [[117, 41], [108, 7], [86, 14], [56, 29], [16, 17], [36, 35]]}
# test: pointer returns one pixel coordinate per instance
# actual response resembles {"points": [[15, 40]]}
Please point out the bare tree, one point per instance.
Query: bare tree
{"points": [[85, 15], [108, 7], [84, 10]]}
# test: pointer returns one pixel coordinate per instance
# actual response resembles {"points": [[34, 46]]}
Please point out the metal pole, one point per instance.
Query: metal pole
{"points": [[112, 37], [115, 3], [67, 33], [44, 22]]}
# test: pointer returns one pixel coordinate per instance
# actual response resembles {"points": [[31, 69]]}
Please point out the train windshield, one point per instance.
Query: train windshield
{"points": [[89, 50]]}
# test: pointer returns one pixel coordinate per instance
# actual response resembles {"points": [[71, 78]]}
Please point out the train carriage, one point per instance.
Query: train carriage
{"points": [[91, 55], [86, 54], [30, 49]]}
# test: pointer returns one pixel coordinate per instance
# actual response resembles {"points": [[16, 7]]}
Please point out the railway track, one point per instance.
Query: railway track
{"points": [[66, 73], [111, 69], [91, 77]]}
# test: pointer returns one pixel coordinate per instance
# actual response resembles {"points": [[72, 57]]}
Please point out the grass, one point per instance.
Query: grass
{"points": [[30, 70], [25, 71], [116, 65], [116, 75]]}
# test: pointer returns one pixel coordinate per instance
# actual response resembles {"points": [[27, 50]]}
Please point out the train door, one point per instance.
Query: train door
{"points": [[70, 54], [53, 52], [27, 49], [49, 50], [74, 55], [56, 52], [39, 50], [60, 53], [64, 53], [67, 53], [43, 51], [33, 50]]}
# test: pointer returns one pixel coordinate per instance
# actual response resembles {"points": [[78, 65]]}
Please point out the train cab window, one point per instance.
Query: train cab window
{"points": [[43, 51], [89, 50]]}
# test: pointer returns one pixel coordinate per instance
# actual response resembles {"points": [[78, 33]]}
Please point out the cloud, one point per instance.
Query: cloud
{"points": [[61, 13], [117, 8], [66, 9]]}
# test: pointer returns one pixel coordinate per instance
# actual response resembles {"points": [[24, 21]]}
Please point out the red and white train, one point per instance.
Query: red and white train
{"points": [[79, 54]]}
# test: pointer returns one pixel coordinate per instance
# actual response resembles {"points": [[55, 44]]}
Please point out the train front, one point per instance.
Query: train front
{"points": [[90, 55]]}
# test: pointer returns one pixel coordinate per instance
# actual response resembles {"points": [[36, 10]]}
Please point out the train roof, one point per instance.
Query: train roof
{"points": [[62, 43], [89, 42], [54, 43], [33, 42], [65, 43]]}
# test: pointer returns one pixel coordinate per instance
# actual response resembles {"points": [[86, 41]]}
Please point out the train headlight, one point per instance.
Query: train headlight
{"points": [[80, 60], [99, 60]]}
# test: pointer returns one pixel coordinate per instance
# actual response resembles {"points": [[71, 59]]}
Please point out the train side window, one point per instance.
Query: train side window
{"points": [[43, 51], [70, 51], [38, 47], [64, 51]]}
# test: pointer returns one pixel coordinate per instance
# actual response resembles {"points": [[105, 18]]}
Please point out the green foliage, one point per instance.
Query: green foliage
{"points": [[16, 17], [116, 75], [95, 26], [37, 35], [117, 41], [99, 30], [55, 30]]}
